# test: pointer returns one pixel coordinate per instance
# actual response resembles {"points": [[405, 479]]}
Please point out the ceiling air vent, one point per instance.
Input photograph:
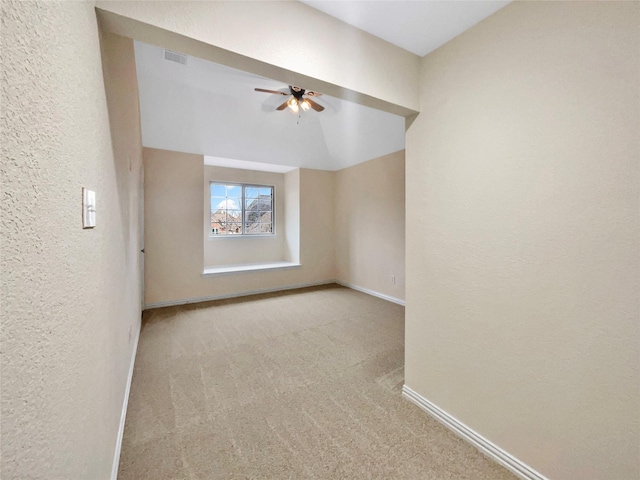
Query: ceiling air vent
{"points": [[175, 57]]}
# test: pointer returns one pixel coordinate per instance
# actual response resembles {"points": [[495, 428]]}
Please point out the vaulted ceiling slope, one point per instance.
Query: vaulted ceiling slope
{"points": [[417, 26], [205, 108]]}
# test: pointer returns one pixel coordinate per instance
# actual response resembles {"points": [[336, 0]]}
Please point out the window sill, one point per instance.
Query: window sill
{"points": [[247, 268], [266, 235]]}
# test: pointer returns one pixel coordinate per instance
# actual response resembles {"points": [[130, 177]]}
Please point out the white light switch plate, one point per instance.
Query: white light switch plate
{"points": [[88, 208]]}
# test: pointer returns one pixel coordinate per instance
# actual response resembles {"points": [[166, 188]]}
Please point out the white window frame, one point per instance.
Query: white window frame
{"points": [[243, 187]]}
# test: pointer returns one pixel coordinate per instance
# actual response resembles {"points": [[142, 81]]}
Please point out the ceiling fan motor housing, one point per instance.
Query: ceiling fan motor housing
{"points": [[297, 92]]}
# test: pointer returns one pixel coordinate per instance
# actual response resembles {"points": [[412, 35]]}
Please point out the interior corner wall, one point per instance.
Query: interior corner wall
{"points": [[523, 235], [292, 215], [174, 218], [317, 224], [370, 225], [70, 297]]}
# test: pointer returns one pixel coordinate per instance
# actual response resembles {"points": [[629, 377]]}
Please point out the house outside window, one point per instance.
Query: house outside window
{"points": [[241, 209]]}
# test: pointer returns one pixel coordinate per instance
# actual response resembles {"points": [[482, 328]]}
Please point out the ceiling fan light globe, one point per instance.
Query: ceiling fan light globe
{"points": [[294, 105], [305, 105]]}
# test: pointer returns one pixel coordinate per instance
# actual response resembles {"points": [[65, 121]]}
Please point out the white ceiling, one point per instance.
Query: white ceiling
{"points": [[419, 26], [213, 110], [210, 109]]}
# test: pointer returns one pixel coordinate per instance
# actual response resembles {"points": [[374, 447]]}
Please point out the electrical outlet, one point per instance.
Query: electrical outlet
{"points": [[393, 279]]}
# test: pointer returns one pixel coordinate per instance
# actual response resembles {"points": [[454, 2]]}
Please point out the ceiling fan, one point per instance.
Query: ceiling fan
{"points": [[299, 99]]}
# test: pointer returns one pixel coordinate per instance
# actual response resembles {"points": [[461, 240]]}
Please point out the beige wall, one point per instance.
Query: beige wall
{"points": [[174, 215], [346, 225], [314, 49], [235, 250], [317, 225], [523, 236], [70, 297], [370, 225], [292, 215]]}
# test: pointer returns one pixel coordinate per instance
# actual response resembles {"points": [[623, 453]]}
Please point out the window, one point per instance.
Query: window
{"points": [[238, 209]]}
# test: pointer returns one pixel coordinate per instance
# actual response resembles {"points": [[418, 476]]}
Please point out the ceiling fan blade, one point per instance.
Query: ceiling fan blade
{"points": [[283, 106], [270, 91], [312, 94], [314, 105]]}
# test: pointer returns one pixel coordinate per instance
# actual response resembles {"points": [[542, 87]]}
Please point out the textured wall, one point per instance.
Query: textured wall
{"points": [[174, 217], [523, 235], [70, 297], [292, 215], [370, 224]]}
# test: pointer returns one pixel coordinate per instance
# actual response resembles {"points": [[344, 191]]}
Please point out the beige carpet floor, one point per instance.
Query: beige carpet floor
{"points": [[304, 384]]}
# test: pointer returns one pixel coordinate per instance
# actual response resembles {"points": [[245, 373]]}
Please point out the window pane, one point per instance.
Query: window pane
{"points": [[218, 190], [226, 204], [258, 228], [251, 216], [265, 217], [234, 228], [219, 221], [218, 203], [234, 191], [234, 215], [258, 222], [229, 212], [234, 203], [251, 228], [264, 203], [251, 192]]}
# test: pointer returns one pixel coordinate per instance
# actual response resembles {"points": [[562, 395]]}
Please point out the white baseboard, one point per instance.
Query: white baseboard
{"points": [[487, 447], [125, 403], [172, 303], [389, 298]]}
